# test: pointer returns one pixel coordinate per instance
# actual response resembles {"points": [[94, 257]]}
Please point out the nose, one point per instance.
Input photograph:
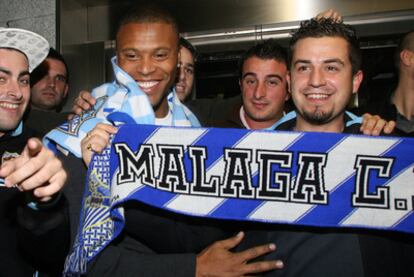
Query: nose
{"points": [[317, 78], [14, 90], [51, 81], [145, 66], [260, 90], [181, 73]]}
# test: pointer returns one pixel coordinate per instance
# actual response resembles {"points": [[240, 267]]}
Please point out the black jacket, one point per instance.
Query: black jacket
{"points": [[28, 238]]}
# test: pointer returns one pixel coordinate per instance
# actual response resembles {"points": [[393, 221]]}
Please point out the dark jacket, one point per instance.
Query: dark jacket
{"points": [[28, 238], [387, 110], [218, 112], [43, 121]]}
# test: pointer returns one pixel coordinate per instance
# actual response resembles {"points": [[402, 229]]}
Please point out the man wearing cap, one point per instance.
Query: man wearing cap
{"points": [[30, 174]]}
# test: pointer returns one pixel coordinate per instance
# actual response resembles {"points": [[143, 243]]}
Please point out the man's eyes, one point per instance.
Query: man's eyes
{"points": [[25, 81]]}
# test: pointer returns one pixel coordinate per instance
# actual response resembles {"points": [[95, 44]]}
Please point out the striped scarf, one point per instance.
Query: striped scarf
{"points": [[118, 102]]}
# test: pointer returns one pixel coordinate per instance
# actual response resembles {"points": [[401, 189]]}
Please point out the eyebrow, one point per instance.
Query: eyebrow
{"points": [[5, 71], [275, 76], [189, 65], [267, 76], [24, 73], [8, 72], [334, 60], [248, 74]]}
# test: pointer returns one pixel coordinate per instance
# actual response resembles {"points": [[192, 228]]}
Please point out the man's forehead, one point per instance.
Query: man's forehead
{"points": [[147, 36], [321, 47], [5, 54], [7, 51], [136, 28], [257, 64], [320, 43], [55, 63]]}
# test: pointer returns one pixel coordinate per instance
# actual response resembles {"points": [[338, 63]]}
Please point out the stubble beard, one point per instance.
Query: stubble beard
{"points": [[317, 116]]}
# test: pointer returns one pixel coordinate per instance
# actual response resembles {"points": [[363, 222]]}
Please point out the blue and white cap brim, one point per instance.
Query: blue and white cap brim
{"points": [[33, 45]]}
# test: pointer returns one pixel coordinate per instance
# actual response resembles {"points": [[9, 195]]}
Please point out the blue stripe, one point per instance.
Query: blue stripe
{"points": [[407, 224], [141, 134], [153, 196], [335, 211], [236, 208], [312, 141]]}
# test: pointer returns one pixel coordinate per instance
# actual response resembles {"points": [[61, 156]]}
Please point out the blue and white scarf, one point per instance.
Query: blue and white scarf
{"points": [[121, 96], [312, 179], [119, 102]]}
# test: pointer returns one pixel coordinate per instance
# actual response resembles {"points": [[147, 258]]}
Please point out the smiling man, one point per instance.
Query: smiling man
{"points": [[29, 173], [263, 85], [323, 79], [151, 65], [324, 65], [14, 98], [152, 242]]}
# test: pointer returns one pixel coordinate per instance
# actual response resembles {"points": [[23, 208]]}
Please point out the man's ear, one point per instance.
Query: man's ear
{"points": [[288, 83], [288, 94], [406, 57], [356, 81]]}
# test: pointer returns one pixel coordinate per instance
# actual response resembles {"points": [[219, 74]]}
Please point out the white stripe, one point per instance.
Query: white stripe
{"points": [[341, 159], [95, 215], [401, 187]]}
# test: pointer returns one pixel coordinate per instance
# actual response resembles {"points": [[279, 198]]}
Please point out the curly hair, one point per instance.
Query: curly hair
{"points": [[326, 27]]}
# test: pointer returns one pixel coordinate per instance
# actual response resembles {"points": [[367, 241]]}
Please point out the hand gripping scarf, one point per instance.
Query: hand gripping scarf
{"points": [[118, 102]]}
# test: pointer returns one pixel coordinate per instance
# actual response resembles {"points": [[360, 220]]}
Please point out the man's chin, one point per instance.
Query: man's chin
{"points": [[317, 118], [4, 128]]}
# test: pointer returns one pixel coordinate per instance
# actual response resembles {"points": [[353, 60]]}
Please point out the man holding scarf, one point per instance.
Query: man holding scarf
{"points": [[145, 68]]}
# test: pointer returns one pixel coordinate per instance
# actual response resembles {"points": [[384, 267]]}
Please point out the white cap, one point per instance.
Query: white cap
{"points": [[34, 46]]}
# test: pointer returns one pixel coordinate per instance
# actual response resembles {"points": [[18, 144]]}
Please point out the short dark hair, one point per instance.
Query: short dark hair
{"points": [[40, 71], [266, 50], [149, 13], [326, 27], [186, 44], [406, 43]]}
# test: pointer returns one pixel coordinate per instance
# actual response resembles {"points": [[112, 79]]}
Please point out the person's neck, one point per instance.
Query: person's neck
{"points": [[403, 97], [162, 110], [33, 107], [335, 126], [261, 125]]}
